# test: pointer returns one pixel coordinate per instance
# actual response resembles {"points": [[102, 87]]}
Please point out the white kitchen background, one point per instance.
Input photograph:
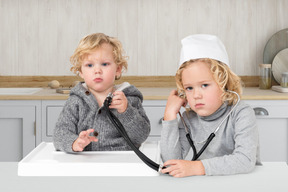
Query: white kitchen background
{"points": [[37, 37]]}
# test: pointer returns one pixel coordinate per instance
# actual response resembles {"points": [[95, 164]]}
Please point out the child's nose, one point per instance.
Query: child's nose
{"points": [[97, 69], [197, 93]]}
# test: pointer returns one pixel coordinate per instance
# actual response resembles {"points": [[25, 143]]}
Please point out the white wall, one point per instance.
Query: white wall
{"points": [[37, 37]]}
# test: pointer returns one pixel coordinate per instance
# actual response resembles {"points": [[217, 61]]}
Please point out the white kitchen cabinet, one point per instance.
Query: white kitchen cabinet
{"points": [[273, 127], [18, 124], [52, 108], [272, 121]]}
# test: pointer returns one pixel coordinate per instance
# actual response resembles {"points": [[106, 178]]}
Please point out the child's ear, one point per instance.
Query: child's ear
{"points": [[119, 71], [80, 74]]}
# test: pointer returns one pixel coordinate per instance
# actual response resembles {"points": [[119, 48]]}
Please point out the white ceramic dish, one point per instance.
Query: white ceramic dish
{"points": [[45, 161], [280, 64], [280, 89], [19, 91]]}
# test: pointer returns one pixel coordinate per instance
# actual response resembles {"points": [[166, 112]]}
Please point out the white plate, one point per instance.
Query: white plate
{"points": [[280, 89], [280, 64], [45, 161]]}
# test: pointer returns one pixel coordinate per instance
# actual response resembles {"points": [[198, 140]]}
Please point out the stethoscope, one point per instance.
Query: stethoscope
{"points": [[158, 167], [211, 136], [115, 121]]}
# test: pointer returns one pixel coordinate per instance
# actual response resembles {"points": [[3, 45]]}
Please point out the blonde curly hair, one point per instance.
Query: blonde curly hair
{"points": [[222, 74], [92, 42]]}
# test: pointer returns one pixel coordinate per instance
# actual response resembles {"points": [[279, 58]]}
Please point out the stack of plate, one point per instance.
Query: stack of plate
{"points": [[276, 53]]}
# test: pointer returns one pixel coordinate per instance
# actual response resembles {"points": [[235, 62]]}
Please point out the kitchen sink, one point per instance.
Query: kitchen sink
{"points": [[19, 91]]}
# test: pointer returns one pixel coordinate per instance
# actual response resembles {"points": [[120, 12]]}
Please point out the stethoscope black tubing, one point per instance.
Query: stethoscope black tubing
{"points": [[192, 146], [195, 154], [115, 121]]}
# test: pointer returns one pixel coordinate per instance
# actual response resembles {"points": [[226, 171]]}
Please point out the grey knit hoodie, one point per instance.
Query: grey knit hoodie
{"points": [[81, 112]]}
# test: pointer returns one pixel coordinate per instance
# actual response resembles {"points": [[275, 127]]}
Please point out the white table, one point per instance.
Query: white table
{"points": [[269, 177], [272, 177]]}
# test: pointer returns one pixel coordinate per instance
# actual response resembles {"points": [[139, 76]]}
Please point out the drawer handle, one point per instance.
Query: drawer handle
{"points": [[160, 120], [259, 111]]}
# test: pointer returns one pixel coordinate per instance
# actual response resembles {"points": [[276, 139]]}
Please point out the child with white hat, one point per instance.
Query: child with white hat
{"points": [[220, 128]]}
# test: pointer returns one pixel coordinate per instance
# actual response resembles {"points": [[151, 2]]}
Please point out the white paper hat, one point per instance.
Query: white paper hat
{"points": [[203, 46]]}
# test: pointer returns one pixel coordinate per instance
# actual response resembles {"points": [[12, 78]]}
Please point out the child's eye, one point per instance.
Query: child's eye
{"points": [[205, 85], [188, 88], [105, 64], [89, 65]]}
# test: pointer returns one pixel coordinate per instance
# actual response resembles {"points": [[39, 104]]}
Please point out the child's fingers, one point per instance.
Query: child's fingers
{"points": [[89, 131], [170, 162], [119, 102], [82, 134], [82, 143], [77, 148], [92, 139], [169, 170], [118, 94], [86, 133], [77, 145], [116, 102], [174, 92], [83, 140], [170, 167]]}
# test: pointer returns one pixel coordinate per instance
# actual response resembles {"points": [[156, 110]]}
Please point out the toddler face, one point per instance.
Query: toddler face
{"points": [[99, 69], [202, 91]]}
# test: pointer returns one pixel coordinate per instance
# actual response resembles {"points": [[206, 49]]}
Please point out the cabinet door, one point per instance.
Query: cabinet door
{"points": [[273, 139], [17, 131], [50, 114], [155, 115], [155, 110], [272, 121]]}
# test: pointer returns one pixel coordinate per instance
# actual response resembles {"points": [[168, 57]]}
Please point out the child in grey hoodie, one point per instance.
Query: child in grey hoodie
{"points": [[99, 60], [211, 90]]}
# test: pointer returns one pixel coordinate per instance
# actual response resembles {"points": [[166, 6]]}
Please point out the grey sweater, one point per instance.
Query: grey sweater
{"points": [[234, 149], [81, 112]]}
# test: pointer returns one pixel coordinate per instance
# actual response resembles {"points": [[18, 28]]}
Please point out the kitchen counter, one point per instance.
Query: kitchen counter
{"points": [[249, 93], [269, 177]]}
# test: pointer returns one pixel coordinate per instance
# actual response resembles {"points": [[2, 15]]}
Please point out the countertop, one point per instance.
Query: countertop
{"points": [[249, 93], [269, 177]]}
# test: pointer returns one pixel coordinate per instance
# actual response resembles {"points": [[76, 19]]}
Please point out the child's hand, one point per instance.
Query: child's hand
{"points": [[173, 106], [119, 102], [183, 168], [83, 140]]}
